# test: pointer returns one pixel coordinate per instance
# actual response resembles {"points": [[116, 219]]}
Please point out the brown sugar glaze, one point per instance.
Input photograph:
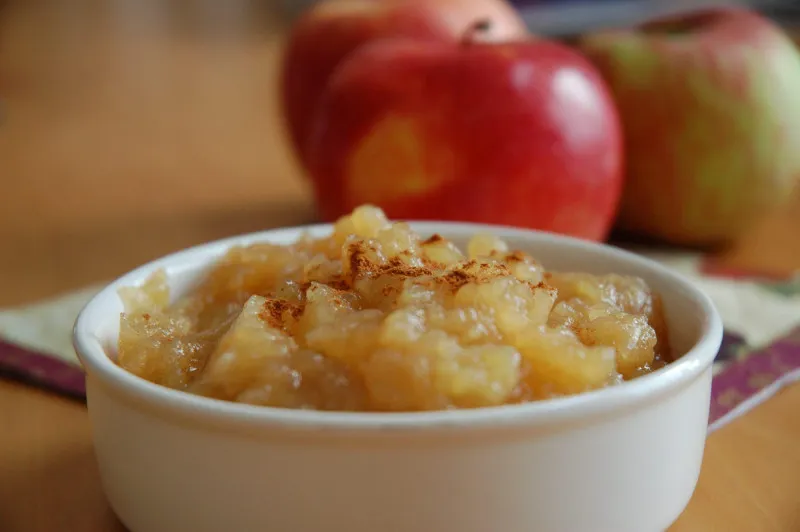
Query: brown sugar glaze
{"points": [[376, 318]]}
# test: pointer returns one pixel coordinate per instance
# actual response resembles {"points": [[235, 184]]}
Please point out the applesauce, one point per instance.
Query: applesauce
{"points": [[378, 318]]}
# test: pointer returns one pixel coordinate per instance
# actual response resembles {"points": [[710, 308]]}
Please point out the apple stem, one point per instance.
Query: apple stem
{"points": [[473, 32]]}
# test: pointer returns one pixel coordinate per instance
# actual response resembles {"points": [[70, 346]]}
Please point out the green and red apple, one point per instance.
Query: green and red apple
{"points": [[332, 29], [521, 133], [710, 106]]}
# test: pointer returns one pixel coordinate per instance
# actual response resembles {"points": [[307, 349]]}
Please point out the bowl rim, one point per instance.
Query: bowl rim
{"points": [[690, 366]]}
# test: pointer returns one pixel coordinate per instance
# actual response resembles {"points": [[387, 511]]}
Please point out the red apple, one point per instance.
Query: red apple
{"points": [[710, 106], [332, 29], [522, 134]]}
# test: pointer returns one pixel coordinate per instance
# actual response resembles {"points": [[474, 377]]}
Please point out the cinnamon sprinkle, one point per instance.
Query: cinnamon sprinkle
{"points": [[433, 239], [543, 286], [516, 256], [361, 266], [274, 312]]}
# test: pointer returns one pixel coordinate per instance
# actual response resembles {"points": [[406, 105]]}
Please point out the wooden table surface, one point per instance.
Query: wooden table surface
{"points": [[128, 129]]}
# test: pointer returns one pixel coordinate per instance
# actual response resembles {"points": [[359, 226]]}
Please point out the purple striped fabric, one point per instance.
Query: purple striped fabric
{"points": [[745, 377], [41, 370]]}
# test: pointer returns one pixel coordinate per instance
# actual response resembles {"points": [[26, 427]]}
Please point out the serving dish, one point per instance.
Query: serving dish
{"points": [[624, 458]]}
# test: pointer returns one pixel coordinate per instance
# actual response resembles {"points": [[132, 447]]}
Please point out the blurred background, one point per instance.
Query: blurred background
{"points": [[131, 128], [566, 17]]}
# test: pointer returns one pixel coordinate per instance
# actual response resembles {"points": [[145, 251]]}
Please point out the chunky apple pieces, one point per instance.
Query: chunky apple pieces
{"points": [[375, 317]]}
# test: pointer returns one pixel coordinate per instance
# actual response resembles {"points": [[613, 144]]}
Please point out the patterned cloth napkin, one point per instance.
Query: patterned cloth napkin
{"points": [[760, 352]]}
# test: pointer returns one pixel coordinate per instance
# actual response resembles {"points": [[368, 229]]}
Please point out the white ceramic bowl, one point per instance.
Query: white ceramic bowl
{"points": [[621, 459]]}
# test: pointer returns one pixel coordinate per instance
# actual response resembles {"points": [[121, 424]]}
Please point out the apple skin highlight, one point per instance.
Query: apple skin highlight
{"points": [[328, 32], [521, 134]]}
